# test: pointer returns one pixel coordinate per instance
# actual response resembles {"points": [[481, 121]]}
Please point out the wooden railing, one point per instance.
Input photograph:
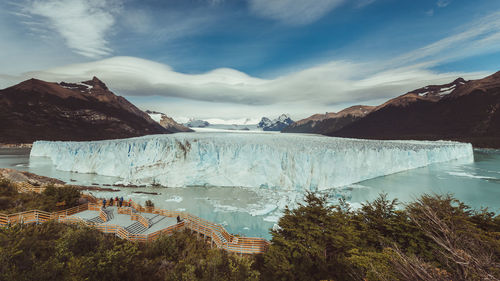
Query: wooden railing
{"points": [[241, 245], [124, 210], [103, 215], [37, 216], [94, 207], [218, 234], [141, 219], [27, 187]]}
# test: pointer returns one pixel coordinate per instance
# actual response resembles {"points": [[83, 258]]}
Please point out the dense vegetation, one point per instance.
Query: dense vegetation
{"points": [[55, 251], [12, 202], [433, 238]]}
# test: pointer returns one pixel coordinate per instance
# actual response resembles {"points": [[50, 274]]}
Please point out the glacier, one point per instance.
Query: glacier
{"points": [[257, 160]]}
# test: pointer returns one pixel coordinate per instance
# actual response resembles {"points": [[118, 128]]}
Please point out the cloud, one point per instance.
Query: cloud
{"points": [[293, 12], [229, 93], [328, 84], [479, 37], [364, 3], [84, 24], [443, 3]]}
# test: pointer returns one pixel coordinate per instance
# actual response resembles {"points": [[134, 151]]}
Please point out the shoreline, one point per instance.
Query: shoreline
{"points": [[16, 145], [38, 180]]}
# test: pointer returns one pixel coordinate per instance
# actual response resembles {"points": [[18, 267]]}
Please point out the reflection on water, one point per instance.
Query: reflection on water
{"points": [[253, 212]]}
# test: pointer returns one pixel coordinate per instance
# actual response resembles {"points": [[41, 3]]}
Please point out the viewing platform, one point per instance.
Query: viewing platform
{"points": [[137, 223], [153, 222]]}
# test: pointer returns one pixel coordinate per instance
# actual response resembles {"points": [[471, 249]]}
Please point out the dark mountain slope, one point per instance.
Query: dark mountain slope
{"points": [[330, 121], [39, 110], [468, 111]]}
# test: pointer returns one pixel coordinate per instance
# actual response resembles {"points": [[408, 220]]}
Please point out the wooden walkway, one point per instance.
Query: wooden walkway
{"points": [[215, 233]]}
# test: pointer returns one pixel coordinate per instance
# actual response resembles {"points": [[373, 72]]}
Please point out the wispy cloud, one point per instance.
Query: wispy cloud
{"points": [[328, 84], [364, 3], [321, 86], [475, 38], [443, 3], [84, 24], [293, 12]]}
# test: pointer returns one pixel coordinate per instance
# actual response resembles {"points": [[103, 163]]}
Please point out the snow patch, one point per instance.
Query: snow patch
{"points": [[155, 116]]}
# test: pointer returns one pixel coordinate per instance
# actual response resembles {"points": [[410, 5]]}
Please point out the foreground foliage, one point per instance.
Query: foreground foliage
{"points": [[54, 251], [434, 238], [12, 202]]}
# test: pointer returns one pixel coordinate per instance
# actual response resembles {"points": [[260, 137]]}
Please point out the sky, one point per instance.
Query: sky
{"points": [[244, 59]]}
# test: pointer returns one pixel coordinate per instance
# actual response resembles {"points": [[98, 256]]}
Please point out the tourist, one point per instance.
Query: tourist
{"points": [[130, 202], [178, 219], [121, 201], [111, 201], [116, 200], [104, 203]]}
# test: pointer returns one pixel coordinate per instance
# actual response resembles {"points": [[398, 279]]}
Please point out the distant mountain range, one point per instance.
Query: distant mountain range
{"points": [[167, 122], [278, 124], [330, 121], [38, 110], [194, 123], [461, 110]]}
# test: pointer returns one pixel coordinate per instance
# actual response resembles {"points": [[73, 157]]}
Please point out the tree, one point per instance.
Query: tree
{"points": [[312, 242]]}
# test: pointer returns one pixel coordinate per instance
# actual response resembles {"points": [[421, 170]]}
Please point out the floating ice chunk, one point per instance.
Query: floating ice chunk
{"points": [[273, 218], [174, 198], [276, 227], [268, 208], [467, 175]]}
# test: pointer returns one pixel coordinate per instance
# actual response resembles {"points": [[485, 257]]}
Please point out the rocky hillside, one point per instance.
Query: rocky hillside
{"points": [[330, 121], [167, 122], [38, 110], [462, 110]]}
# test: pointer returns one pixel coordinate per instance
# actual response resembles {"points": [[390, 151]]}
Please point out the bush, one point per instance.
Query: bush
{"points": [[12, 201]]}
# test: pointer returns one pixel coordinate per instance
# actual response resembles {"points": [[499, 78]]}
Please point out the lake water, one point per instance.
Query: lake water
{"points": [[252, 212]]}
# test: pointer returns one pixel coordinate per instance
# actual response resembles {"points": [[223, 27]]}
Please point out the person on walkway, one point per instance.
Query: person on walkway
{"points": [[104, 203], [178, 219], [111, 201], [121, 201], [130, 202], [116, 200]]}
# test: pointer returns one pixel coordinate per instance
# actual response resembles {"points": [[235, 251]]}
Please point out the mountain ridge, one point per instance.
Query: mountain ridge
{"points": [[462, 110], [38, 110]]}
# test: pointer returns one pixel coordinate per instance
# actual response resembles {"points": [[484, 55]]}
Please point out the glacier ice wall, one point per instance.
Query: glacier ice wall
{"points": [[284, 161]]}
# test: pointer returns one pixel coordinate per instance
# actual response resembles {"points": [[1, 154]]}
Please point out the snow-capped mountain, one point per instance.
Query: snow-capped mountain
{"points": [[277, 124], [194, 123]]}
